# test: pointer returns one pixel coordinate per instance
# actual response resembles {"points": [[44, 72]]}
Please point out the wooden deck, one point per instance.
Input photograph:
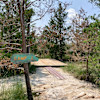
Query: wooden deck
{"points": [[48, 62]]}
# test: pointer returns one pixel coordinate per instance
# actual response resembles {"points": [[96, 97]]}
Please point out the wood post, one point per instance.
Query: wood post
{"points": [[24, 49]]}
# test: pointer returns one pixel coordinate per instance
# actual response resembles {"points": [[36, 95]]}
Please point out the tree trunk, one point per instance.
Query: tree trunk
{"points": [[27, 79], [60, 46], [87, 70], [55, 51], [28, 42], [26, 70], [28, 33]]}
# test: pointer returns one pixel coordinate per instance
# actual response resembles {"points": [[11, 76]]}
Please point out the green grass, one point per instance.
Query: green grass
{"points": [[17, 92], [75, 69], [79, 71]]}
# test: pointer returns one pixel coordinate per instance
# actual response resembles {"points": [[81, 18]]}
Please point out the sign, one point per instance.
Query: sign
{"points": [[23, 58]]}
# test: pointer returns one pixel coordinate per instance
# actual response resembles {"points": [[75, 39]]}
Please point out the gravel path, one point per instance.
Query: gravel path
{"points": [[51, 88]]}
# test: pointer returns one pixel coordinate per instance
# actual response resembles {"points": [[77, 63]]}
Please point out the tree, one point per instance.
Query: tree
{"points": [[28, 15], [19, 7], [94, 38], [10, 26], [56, 33], [84, 39], [24, 49]]}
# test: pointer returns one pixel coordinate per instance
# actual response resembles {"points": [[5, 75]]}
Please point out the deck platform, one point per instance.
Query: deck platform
{"points": [[48, 62]]}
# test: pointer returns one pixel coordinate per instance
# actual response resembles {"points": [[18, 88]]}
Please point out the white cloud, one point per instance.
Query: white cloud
{"points": [[71, 14]]}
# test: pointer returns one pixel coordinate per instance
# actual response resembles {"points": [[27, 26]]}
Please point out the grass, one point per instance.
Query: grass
{"points": [[79, 71], [76, 70], [17, 92]]}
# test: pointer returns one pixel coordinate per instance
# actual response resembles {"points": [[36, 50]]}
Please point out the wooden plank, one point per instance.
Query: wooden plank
{"points": [[54, 73], [57, 73], [51, 72], [48, 62]]}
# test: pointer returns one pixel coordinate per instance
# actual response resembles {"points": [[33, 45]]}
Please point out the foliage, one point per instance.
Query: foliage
{"points": [[55, 33], [94, 37], [32, 69], [85, 37], [10, 26], [9, 23]]}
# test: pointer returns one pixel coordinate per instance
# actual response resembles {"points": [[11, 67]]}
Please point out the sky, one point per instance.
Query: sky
{"points": [[74, 8]]}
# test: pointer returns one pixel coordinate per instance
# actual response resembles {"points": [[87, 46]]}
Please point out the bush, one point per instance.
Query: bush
{"points": [[32, 69]]}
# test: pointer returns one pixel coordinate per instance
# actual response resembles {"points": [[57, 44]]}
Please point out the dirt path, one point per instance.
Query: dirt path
{"points": [[52, 88], [68, 89]]}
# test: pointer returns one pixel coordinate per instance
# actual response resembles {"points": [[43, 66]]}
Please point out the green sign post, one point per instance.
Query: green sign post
{"points": [[23, 58]]}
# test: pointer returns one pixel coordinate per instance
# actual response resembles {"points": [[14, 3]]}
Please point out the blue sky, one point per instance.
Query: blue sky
{"points": [[72, 9]]}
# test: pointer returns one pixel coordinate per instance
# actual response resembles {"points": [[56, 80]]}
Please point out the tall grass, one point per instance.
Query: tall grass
{"points": [[17, 92]]}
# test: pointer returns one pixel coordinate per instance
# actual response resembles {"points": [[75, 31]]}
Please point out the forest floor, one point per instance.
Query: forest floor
{"points": [[48, 87]]}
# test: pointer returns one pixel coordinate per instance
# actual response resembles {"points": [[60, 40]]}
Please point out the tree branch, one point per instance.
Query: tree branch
{"points": [[30, 45], [17, 44], [41, 15], [10, 48]]}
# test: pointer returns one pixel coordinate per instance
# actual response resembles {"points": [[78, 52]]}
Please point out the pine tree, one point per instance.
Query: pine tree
{"points": [[56, 32]]}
